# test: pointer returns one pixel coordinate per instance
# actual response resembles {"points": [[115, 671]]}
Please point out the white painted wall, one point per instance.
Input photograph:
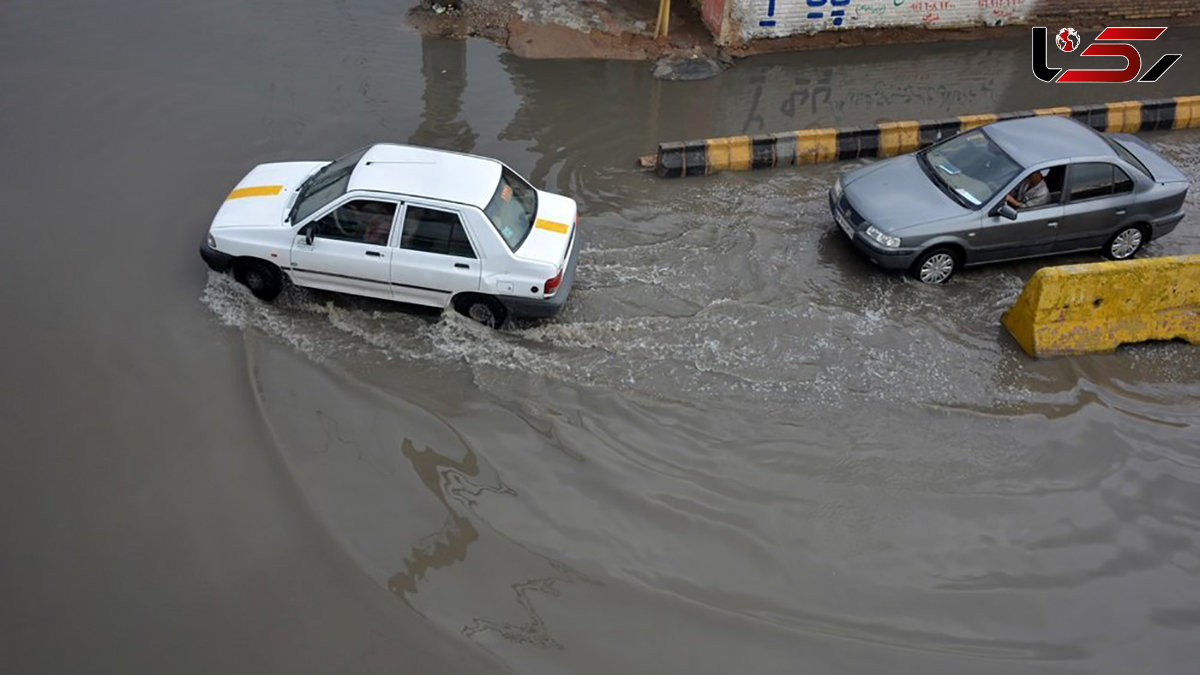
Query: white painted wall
{"points": [[752, 19]]}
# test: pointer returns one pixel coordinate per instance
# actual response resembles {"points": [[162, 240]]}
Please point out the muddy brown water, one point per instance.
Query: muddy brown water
{"points": [[740, 449]]}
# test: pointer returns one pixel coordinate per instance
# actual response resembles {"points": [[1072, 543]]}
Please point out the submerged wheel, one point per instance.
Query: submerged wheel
{"points": [[263, 279], [482, 308], [935, 266], [1125, 243]]}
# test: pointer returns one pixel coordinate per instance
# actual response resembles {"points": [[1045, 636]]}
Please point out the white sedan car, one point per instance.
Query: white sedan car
{"points": [[404, 223]]}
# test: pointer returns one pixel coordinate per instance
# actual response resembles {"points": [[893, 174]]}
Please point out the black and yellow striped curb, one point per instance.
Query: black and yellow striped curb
{"points": [[810, 146]]}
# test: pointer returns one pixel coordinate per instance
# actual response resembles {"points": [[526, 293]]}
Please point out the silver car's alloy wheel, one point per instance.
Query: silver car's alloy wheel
{"points": [[937, 268], [1126, 243]]}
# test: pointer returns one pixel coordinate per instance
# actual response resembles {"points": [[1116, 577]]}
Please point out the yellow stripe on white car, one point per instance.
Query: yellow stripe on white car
{"points": [[552, 226], [256, 191]]}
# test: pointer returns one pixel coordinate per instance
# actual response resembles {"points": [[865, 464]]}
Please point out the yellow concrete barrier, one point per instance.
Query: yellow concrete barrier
{"points": [[1097, 307], [729, 153], [886, 139], [1187, 112], [1124, 116], [897, 138]]}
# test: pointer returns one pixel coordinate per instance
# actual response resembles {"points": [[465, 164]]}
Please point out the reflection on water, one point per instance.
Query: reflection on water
{"points": [[449, 544], [444, 72], [353, 450]]}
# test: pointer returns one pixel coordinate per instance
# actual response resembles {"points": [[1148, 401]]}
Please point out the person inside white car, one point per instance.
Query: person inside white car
{"points": [[376, 222]]}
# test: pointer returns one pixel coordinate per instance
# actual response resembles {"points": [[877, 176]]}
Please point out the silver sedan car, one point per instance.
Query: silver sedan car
{"points": [[1015, 189]]}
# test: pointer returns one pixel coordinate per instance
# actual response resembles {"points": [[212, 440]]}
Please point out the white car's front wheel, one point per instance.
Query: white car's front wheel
{"points": [[263, 279]]}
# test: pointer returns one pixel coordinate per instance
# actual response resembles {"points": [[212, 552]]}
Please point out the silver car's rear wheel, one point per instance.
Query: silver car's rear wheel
{"points": [[936, 266], [1124, 244]]}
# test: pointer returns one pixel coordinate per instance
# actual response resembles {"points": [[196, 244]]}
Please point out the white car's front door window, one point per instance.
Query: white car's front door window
{"points": [[349, 250]]}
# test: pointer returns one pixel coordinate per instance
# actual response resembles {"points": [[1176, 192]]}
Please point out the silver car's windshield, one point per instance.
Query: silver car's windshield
{"points": [[970, 167]]}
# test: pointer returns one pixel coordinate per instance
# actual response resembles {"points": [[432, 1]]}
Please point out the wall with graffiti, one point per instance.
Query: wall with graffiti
{"points": [[752, 19], [840, 89]]}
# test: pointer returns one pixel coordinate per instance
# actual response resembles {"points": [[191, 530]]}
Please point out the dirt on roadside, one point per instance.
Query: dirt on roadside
{"points": [[546, 29], [624, 29]]}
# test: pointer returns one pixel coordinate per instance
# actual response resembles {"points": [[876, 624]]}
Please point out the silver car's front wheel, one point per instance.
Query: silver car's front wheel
{"points": [[1124, 243], [936, 266]]}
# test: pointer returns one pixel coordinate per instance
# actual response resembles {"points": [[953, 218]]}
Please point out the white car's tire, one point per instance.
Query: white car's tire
{"points": [[263, 279], [482, 308]]}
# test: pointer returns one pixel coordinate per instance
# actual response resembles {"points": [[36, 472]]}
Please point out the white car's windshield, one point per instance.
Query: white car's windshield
{"points": [[970, 167], [512, 208], [327, 184]]}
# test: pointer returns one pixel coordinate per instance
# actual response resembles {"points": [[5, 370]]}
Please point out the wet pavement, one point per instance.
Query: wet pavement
{"points": [[740, 449]]}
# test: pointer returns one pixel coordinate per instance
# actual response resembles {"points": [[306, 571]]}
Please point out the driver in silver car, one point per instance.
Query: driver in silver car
{"points": [[1031, 192]]}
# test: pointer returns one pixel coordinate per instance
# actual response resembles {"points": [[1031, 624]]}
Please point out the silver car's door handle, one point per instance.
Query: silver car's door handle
{"points": [[1120, 212], [1053, 223]]}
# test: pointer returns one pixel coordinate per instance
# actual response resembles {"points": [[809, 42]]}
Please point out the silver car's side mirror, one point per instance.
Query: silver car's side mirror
{"points": [[1006, 210]]}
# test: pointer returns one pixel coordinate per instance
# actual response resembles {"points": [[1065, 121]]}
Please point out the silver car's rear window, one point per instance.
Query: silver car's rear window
{"points": [[1126, 155], [970, 167]]}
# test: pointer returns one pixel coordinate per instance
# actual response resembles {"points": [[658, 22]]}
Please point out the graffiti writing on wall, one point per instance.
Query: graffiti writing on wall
{"points": [[818, 95], [805, 92], [776, 18], [816, 10]]}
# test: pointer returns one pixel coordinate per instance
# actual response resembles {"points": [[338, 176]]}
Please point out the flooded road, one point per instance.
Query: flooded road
{"points": [[741, 448]]}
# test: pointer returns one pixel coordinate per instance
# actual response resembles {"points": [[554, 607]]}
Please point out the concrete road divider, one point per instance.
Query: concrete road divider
{"points": [[1097, 307], [809, 146]]}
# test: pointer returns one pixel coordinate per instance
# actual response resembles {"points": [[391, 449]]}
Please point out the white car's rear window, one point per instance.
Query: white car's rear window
{"points": [[512, 208]]}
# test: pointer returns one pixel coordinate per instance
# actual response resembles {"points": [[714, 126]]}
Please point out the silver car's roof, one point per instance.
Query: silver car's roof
{"points": [[1033, 140]]}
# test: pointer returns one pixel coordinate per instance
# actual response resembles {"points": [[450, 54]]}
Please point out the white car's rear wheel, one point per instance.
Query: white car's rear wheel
{"points": [[482, 308]]}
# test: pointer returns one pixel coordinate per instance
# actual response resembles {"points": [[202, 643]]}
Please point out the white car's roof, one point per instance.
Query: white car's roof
{"points": [[426, 172]]}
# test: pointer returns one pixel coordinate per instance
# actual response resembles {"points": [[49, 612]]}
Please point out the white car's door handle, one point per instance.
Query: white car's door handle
{"points": [[1053, 223], [375, 254], [464, 266]]}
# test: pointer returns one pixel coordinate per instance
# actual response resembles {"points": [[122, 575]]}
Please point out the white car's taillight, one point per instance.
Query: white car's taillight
{"points": [[551, 285]]}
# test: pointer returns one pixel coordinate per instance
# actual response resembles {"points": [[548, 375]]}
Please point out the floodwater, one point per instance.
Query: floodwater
{"points": [[740, 449]]}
